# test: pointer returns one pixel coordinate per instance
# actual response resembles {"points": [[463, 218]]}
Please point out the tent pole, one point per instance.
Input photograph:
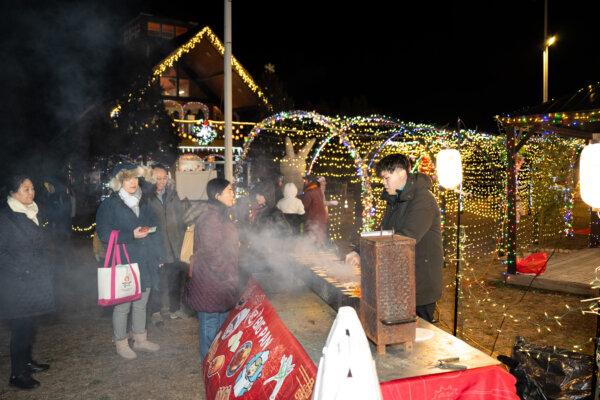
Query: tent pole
{"points": [[511, 200]]}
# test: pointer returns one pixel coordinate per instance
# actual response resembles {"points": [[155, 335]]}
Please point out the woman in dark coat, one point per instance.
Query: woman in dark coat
{"points": [[27, 290], [214, 287], [128, 212]]}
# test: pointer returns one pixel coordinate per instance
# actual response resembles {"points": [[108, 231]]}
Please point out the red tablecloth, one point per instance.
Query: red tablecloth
{"points": [[486, 383]]}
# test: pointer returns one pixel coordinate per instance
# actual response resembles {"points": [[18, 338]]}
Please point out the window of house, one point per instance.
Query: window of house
{"points": [[168, 31], [168, 85], [174, 84], [184, 88], [168, 82], [153, 29], [180, 30]]}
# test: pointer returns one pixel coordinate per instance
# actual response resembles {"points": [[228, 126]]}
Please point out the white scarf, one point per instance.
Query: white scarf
{"points": [[132, 200], [30, 211]]}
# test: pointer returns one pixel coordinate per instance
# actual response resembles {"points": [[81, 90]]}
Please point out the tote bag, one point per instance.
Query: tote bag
{"points": [[187, 247], [117, 283]]}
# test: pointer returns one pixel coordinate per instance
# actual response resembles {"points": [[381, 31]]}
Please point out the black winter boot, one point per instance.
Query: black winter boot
{"points": [[23, 381]]}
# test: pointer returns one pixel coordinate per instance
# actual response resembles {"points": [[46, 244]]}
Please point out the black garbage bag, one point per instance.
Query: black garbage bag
{"points": [[549, 373]]}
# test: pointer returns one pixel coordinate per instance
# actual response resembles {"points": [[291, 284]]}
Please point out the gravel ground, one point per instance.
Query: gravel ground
{"points": [[77, 339]]}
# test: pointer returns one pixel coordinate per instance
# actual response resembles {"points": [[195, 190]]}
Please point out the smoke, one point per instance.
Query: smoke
{"points": [[270, 256], [56, 64]]}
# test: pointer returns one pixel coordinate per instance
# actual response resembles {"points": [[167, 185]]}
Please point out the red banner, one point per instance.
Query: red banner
{"points": [[254, 356]]}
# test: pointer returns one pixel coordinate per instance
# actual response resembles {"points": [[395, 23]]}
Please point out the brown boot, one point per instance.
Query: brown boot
{"points": [[141, 343], [124, 350]]}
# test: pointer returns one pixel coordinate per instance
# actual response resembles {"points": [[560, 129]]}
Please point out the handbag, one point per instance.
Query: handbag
{"points": [[117, 283], [187, 247]]}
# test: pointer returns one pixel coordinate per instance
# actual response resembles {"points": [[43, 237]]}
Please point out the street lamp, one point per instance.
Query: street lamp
{"points": [[449, 171], [549, 42]]}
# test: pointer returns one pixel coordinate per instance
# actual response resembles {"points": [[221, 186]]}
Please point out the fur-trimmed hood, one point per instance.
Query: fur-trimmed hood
{"points": [[126, 173]]}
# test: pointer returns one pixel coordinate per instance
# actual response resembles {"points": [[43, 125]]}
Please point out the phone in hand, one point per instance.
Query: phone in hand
{"points": [[147, 229]]}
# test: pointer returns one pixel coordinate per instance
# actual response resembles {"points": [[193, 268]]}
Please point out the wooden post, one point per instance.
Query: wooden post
{"points": [[511, 203]]}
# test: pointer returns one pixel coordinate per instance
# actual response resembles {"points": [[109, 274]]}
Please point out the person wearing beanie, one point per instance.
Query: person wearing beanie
{"points": [[128, 212]]}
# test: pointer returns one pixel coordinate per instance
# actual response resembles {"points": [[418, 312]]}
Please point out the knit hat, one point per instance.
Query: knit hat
{"points": [[120, 166], [122, 171]]}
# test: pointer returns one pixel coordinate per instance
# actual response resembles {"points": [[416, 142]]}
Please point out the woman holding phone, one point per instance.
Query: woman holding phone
{"points": [[127, 211]]}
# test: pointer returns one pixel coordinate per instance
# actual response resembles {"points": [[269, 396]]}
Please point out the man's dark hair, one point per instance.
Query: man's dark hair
{"points": [[160, 166], [392, 162]]}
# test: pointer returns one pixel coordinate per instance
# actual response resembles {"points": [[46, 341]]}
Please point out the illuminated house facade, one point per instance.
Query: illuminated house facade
{"points": [[189, 61]]}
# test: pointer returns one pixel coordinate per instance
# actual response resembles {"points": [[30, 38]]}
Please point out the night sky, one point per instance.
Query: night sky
{"points": [[425, 62]]}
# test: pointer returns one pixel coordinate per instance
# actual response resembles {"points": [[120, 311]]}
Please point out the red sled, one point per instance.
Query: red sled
{"points": [[533, 264], [583, 231]]}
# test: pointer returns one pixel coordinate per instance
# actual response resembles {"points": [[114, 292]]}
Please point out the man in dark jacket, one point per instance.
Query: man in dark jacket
{"points": [[412, 211], [169, 210]]}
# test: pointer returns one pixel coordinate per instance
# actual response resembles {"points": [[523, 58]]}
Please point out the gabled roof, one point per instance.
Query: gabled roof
{"points": [[203, 53], [577, 114]]}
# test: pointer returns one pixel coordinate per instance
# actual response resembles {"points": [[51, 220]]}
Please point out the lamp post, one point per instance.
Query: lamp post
{"points": [[449, 172], [548, 41], [589, 170]]}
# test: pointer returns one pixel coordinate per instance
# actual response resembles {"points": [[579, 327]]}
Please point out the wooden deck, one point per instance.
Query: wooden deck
{"points": [[566, 272]]}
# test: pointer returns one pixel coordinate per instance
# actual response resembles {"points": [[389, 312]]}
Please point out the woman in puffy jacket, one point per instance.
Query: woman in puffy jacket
{"points": [[215, 285], [128, 212], [26, 275]]}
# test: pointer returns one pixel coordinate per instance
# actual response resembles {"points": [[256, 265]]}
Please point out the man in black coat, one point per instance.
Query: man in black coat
{"points": [[169, 211], [412, 211]]}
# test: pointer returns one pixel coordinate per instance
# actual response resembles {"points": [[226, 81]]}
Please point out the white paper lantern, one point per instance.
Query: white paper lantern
{"points": [[589, 175], [449, 168]]}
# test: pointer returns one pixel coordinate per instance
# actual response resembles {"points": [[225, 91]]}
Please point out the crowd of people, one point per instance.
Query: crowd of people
{"points": [[151, 221], [208, 286]]}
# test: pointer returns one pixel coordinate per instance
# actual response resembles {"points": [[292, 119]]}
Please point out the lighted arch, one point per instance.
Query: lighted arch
{"points": [[196, 104], [335, 130], [171, 105]]}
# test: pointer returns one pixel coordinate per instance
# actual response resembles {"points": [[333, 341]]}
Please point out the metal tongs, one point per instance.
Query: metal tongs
{"points": [[449, 363]]}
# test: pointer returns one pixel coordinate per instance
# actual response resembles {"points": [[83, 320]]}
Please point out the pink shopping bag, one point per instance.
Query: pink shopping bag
{"points": [[118, 283]]}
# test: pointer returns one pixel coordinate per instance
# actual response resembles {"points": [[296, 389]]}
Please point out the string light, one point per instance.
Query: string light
{"points": [[207, 33], [86, 229]]}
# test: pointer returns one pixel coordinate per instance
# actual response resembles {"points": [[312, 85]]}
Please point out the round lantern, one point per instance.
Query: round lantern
{"points": [[449, 168], [589, 175]]}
